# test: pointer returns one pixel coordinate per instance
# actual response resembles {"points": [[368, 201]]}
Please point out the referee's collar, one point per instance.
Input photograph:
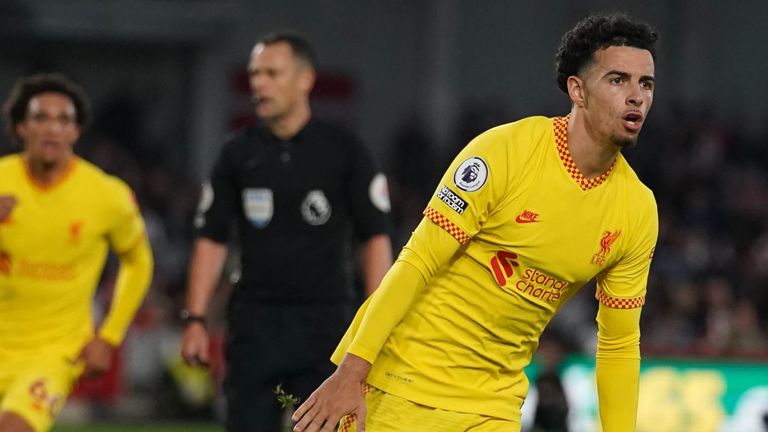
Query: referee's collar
{"points": [[271, 137]]}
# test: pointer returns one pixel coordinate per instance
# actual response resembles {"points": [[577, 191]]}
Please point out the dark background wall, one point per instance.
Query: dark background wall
{"points": [[387, 61]]}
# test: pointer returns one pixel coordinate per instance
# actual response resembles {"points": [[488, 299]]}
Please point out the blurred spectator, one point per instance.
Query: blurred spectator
{"points": [[552, 406], [413, 171]]}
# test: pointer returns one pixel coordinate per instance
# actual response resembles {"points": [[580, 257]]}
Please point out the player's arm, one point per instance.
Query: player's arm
{"points": [[377, 259], [133, 280], [621, 292], [428, 249], [206, 265], [452, 218], [618, 367], [128, 239]]}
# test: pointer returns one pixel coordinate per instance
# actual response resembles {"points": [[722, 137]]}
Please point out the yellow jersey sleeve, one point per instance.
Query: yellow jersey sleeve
{"points": [[618, 367], [133, 281], [623, 286], [127, 227], [473, 185], [428, 249], [127, 237]]}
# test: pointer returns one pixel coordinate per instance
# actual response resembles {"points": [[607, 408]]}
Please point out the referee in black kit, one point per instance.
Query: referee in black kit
{"points": [[300, 192]]}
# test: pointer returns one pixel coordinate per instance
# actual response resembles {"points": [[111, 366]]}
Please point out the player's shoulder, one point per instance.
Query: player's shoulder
{"points": [[520, 132], [634, 185], [97, 178], [12, 158], [526, 126], [90, 171], [11, 165], [517, 140]]}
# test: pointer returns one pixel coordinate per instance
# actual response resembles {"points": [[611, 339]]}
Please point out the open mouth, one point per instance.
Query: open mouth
{"points": [[50, 144], [633, 120]]}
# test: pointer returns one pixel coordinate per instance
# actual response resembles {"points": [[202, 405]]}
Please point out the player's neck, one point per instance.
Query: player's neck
{"points": [[48, 173], [592, 154], [287, 126]]}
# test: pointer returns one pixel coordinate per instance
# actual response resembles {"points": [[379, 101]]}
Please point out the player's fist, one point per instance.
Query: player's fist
{"points": [[7, 203], [96, 357]]}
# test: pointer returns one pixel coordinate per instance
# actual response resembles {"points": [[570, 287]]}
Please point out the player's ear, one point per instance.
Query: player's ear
{"points": [[576, 90], [77, 133], [307, 80], [21, 131]]}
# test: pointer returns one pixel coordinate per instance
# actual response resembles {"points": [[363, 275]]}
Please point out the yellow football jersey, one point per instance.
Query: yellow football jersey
{"points": [[533, 231], [53, 247]]}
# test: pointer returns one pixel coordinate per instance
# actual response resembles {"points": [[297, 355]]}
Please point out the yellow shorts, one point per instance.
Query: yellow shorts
{"points": [[389, 413], [35, 389]]}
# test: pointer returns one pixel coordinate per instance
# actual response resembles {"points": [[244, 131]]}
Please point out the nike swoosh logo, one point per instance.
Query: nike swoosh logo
{"points": [[522, 220]]}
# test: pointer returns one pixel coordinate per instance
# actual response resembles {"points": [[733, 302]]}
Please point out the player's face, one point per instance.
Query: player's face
{"points": [[618, 93], [280, 82], [50, 129]]}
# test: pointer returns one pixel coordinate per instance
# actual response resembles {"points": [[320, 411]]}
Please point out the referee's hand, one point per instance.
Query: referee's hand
{"points": [[341, 394], [195, 346]]}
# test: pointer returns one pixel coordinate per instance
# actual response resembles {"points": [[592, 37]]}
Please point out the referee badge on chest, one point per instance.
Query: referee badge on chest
{"points": [[258, 206], [316, 209]]}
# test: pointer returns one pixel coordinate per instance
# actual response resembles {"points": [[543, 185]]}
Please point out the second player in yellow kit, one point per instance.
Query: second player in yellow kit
{"points": [[62, 215], [54, 246]]}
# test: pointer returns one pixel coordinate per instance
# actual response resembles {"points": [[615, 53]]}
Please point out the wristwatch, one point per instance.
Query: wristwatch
{"points": [[188, 317]]}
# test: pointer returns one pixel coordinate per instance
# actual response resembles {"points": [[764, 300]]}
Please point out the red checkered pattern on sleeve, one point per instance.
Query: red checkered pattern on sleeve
{"points": [[447, 225], [561, 139], [619, 303]]}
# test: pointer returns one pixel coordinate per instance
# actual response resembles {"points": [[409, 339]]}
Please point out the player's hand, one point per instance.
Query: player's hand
{"points": [[96, 357], [7, 203], [195, 345], [341, 394]]}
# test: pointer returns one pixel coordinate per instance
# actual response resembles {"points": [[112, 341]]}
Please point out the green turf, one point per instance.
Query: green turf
{"points": [[141, 428]]}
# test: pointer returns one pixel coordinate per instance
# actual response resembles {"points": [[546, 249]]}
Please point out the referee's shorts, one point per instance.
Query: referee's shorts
{"points": [[270, 345]]}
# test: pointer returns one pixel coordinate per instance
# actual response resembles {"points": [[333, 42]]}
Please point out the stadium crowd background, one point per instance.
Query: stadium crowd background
{"points": [[416, 80]]}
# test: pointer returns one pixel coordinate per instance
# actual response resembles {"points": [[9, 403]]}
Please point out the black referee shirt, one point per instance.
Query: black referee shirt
{"points": [[297, 204]]}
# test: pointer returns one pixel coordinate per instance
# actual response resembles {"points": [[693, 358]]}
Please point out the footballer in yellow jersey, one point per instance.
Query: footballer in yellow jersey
{"points": [[62, 215], [526, 215], [463, 344]]}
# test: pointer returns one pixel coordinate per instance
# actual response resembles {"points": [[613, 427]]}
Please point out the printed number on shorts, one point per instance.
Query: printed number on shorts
{"points": [[42, 400]]}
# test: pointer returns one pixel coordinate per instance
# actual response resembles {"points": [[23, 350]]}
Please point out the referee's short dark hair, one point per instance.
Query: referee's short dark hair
{"points": [[300, 45], [596, 32], [26, 88]]}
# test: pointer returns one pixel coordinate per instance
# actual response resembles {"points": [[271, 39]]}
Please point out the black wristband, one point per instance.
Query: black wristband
{"points": [[188, 317]]}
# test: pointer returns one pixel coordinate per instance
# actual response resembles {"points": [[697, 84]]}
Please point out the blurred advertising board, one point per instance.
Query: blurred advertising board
{"points": [[676, 395]]}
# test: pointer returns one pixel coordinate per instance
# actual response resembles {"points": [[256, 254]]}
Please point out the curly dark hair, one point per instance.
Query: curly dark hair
{"points": [[15, 107], [596, 32]]}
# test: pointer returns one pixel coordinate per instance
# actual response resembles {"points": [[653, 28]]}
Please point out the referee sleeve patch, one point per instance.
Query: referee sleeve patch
{"points": [[619, 303], [446, 224], [206, 199], [378, 192]]}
